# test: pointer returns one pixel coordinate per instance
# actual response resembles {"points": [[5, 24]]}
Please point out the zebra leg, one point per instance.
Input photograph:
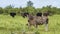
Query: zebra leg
{"points": [[46, 27], [29, 26], [36, 27]]}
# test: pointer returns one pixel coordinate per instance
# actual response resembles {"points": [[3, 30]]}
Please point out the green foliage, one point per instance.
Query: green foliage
{"points": [[1, 10], [9, 7], [29, 9], [37, 32]]}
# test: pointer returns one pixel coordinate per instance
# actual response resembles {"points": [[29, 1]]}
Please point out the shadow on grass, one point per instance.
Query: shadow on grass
{"points": [[3, 28]]}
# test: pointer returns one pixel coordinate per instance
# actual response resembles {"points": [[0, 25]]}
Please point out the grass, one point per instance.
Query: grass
{"points": [[18, 23]]}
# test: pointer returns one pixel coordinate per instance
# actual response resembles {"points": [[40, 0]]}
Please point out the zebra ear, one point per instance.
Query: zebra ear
{"points": [[46, 14], [24, 14], [39, 14]]}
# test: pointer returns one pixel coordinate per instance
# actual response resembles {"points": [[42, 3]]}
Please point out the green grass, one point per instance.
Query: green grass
{"points": [[18, 23]]}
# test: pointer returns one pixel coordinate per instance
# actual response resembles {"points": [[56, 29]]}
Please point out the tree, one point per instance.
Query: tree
{"points": [[29, 3], [47, 8], [9, 7], [1, 10]]}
